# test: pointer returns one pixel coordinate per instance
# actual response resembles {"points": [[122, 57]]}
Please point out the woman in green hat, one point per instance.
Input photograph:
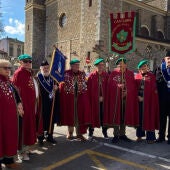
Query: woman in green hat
{"points": [[148, 103], [97, 83]]}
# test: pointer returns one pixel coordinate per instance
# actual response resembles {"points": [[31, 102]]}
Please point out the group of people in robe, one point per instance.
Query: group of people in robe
{"points": [[31, 105]]}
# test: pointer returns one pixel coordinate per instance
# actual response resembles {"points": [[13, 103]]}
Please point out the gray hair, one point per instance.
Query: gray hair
{"points": [[4, 62]]}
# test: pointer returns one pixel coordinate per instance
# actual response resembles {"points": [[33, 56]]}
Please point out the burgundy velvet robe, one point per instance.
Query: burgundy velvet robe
{"points": [[94, 93], [23, 80], [150, 102], [67, 102], [114, 98], [8, 120]]}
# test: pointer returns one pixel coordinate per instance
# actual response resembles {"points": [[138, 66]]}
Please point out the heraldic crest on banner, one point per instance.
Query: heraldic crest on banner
{"points": [[122, 27]]}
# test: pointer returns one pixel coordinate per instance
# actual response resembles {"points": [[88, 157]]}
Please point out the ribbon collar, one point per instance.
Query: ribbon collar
{"points": [[166, 74], [47, 84]]}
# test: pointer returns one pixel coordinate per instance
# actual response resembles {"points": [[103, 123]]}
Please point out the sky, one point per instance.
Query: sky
{"points": [[13, 18]]}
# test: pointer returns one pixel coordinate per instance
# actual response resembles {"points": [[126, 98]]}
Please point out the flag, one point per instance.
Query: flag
{"points": [[122, 27], [57, 67]]}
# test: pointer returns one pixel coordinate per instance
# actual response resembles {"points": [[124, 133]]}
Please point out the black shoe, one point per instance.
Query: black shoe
{"points": [[51, 140], [168, 142], [115, 139], [90, 138], [160, 140], [124, 138], [105, 136], [40, 142], [90, 134]]}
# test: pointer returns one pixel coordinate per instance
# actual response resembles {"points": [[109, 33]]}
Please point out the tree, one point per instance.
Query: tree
{"points": [[1, 24]]}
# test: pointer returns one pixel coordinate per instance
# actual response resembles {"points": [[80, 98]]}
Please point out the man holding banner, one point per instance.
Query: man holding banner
{"points": [[75, 108], [122, 103], [48, 95]]}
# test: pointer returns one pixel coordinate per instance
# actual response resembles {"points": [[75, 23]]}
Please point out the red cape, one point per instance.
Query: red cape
{"points": [[151, 104], [93, 91], [67, 102], [113, 100], [23, 80], [8, 120]]}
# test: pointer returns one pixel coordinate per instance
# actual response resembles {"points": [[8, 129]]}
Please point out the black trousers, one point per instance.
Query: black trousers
{"points": [[7, 160], [104, 129], [164, 102], [163, 124]]}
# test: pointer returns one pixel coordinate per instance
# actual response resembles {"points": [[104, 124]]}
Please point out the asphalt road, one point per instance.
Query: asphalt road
{"points": [[100, 154]]}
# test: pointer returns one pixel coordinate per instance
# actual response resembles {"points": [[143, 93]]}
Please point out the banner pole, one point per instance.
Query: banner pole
{"points": [[52, 112], [122, 90]]}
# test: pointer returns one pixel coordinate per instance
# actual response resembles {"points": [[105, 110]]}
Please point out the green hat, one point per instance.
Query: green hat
{"points": [[24, 56], [141, 63], [119, 60], [99, 60], [73, 61]]}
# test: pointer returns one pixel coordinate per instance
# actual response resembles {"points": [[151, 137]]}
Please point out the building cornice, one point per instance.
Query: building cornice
{"points": [[146, 6], [33, 5], [168, 13], [49, 2], [152, 42]]}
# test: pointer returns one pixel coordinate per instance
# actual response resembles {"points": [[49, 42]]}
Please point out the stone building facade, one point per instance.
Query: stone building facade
{"points": [[11, 47], [79, 28]]}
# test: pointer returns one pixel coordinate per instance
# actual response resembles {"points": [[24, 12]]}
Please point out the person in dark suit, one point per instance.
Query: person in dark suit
{"points": [[163, 85], [48, 92]]}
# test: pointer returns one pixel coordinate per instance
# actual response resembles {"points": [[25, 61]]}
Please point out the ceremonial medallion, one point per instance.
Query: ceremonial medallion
{"points": [[51, 95]]}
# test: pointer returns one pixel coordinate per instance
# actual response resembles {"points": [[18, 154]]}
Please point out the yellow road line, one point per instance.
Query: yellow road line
{"points": [[96, 161], [120, 160], [64, 161]]}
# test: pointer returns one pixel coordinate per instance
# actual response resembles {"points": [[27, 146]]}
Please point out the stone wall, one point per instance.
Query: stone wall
{"points": [[86, 26], [35, 32], [66, 38], [28, 32]]}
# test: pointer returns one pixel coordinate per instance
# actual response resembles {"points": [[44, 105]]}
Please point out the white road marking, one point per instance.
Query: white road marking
{"points": [[136, 152]]}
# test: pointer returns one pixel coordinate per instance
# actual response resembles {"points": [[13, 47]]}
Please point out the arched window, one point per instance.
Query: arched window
{"points": [[90, 3], [159, 35], [63, 20], [144, 32], [19, 50]]}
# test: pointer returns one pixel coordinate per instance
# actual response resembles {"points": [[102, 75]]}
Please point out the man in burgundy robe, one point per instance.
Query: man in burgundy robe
{"points": [[121, 101], [10, 107], [23, 79], [97, 83], [75, 109], [148, 103]]}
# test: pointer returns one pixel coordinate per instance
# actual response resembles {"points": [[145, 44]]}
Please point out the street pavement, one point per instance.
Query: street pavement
{"points": [[99, 154]]}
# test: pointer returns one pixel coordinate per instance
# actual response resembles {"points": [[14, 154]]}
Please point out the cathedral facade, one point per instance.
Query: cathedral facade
{"points": [[79, 28]]}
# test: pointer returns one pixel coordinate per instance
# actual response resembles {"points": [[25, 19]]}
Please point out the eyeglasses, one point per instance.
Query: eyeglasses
{"points": [[6, 68], [27, 61]]}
